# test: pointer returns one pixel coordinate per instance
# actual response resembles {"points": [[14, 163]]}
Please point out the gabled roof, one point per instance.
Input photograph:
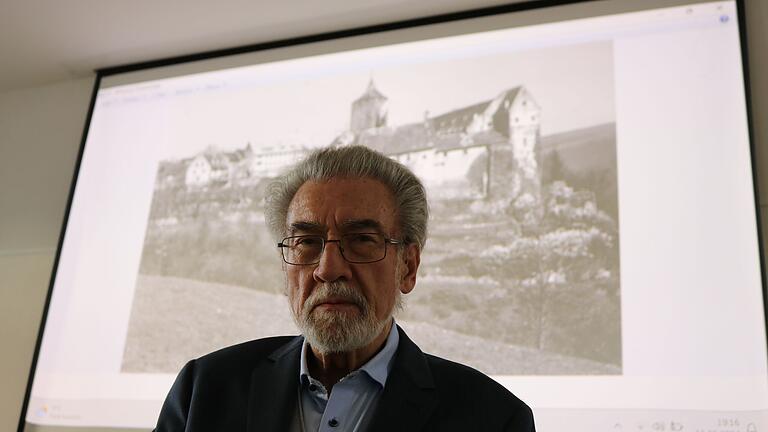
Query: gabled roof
{"points": [[217, 161], [458, 120], [238, 155]]}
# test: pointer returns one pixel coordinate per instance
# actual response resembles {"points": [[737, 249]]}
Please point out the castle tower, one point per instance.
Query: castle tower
{"points": [[369, 110], [524, 120], [513, 166]]}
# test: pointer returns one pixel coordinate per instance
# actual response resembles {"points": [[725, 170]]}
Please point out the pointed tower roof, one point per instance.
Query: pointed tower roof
{"points": [[371, 93]]}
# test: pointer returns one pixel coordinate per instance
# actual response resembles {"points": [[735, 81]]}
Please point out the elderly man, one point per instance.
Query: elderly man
{"points": [[351, 224]]}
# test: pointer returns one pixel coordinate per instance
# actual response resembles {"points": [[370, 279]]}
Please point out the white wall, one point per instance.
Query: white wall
{"points": [[40, 131], [757, 42]]}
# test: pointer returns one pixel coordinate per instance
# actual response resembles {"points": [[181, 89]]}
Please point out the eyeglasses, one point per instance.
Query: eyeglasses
{"points": [[357, 248]]}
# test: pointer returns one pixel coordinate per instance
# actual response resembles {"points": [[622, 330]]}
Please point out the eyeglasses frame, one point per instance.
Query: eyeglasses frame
{"points": [[387, 241]]}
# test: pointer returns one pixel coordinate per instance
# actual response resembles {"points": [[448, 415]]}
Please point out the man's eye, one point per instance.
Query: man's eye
{"points": [[307, 241], [363, 238]]}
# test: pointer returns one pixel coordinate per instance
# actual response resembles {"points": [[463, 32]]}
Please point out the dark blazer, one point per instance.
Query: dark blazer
{"points": [[254, 387]]}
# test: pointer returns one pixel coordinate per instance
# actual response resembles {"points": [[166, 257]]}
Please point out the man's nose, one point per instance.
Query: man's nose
{"points": [[332, 265]]}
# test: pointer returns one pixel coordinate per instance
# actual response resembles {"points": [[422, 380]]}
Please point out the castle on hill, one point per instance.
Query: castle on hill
{"points": [[485, 150], [494, 141]]}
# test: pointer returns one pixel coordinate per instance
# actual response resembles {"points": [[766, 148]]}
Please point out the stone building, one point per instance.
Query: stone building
{"points": [[270, 161], [207, 168], [489, 149]]}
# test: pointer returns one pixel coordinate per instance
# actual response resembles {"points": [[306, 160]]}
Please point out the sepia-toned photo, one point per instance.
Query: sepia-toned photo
{"points": [[517, 150]]}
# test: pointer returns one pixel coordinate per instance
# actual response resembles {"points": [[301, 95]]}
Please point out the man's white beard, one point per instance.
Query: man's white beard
{"points": [[334, 332]]}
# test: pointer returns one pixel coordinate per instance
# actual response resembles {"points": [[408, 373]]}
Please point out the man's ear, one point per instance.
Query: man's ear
{"points": [[412, 258]]}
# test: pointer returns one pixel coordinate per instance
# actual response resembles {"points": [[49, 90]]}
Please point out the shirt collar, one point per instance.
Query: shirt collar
{"points": [[377, 367]]}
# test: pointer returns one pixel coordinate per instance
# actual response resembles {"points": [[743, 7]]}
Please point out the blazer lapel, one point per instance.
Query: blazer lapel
{"points": [[274, 390], [409, 397]]}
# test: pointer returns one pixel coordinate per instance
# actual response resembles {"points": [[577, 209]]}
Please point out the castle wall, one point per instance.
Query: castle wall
{"points": [[447, 174]]}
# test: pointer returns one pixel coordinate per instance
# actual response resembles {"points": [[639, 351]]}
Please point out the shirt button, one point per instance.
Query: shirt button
{"points": [[333, 422]]}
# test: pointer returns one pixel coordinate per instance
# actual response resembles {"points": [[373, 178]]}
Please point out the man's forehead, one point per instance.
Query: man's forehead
{"points": [[349, 225], [344, 203]]}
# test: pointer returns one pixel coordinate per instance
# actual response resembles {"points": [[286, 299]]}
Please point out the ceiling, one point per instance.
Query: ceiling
{"points": [[43, 41]]}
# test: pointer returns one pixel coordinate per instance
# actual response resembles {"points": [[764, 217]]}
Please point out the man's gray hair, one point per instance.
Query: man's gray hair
{"points": [[352, 162]]}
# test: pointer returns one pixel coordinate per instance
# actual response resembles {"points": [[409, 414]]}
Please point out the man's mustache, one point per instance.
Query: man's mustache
{"points": [[336, 291]]}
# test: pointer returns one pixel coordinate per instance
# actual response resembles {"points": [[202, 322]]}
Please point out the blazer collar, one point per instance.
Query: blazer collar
{"points": [[274, 389], [409, 398]]}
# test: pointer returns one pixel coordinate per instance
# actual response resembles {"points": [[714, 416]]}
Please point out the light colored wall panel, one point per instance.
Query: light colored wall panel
{"points": [[764, 228], [23, 286], [757, 40], [40, 131]]}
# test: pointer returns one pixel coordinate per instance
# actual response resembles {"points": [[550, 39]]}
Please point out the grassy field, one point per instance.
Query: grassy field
{"points": [[174, 320]]}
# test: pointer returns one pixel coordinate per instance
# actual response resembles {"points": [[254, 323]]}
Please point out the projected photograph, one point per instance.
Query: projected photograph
{"points": [[520, 275]]}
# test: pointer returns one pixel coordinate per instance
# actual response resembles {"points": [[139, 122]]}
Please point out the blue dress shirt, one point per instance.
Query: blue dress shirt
{"points": [[353, 399]]}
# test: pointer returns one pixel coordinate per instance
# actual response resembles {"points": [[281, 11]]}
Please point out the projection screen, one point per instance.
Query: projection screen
{"points": [[593, 242]]}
